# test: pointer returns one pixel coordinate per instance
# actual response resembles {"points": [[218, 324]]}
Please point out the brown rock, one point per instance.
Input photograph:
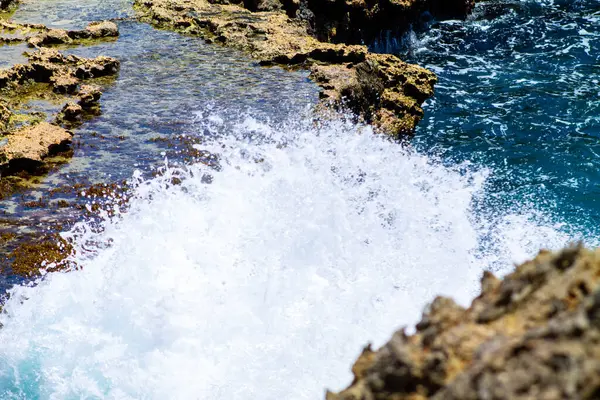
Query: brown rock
{"points": [[98, 67], [89, 96], [41, 36], [26, 147], [63, 72], [71, 112], [102, 29], [64, 83], [50, 37], [359, 21], [5, 116], [33, 143], [533, 335], [384, 90]]}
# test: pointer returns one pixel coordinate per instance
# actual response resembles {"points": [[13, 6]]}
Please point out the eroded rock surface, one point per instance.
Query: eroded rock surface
{"points": [[61, 74], [381, 89], [533, 335], [37, 35], [95, 30], [31, 144]]}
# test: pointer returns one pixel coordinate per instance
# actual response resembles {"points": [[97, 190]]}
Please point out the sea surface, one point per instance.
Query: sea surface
{"points": [[519, 93], [266, 270]]}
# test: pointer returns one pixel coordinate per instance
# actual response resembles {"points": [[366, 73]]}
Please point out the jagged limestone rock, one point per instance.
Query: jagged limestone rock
{"points": [[533, 335]]}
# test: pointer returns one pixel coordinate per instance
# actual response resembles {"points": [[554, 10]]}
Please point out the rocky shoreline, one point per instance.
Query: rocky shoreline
{"points": [[33, 142], [380, 89]]}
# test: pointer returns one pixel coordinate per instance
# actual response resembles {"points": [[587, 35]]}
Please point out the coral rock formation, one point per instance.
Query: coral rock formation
{"points": [[39, 35], [533, 335], [26, 141], [33, 143]]}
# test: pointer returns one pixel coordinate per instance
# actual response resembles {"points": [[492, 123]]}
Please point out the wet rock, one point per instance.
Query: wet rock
{"points": [[25, 147], [71, 112], [52, 36], [62, 71], [31, 144], [263, 5], [380, 89], [64, 83], [47, 253], [89, 96], [535, 334], [103, 29], [384, 90], [97, 67], [43, 37], [88, 104], [5, 116]]}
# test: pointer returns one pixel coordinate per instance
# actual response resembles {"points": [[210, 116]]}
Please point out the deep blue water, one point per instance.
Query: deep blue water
{"points": [[519, 94]]}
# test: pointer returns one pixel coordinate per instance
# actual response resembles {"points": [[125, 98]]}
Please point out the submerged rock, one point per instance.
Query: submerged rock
{"points": [[89, 96], [380, 89], [533, 335], [71, 112], [95, 30], [88, 104]]}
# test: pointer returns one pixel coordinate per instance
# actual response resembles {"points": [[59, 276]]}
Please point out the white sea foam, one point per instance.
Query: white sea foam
{"points": [[265, 283]]}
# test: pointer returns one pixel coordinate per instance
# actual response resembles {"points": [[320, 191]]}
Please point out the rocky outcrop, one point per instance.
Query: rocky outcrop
{"points": [[27, 147], [64, 74], [37, 35], [87, 103], [25, 141], [360, 21], [386, 92], [533, 335], [379, 89], [95, 30]]}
